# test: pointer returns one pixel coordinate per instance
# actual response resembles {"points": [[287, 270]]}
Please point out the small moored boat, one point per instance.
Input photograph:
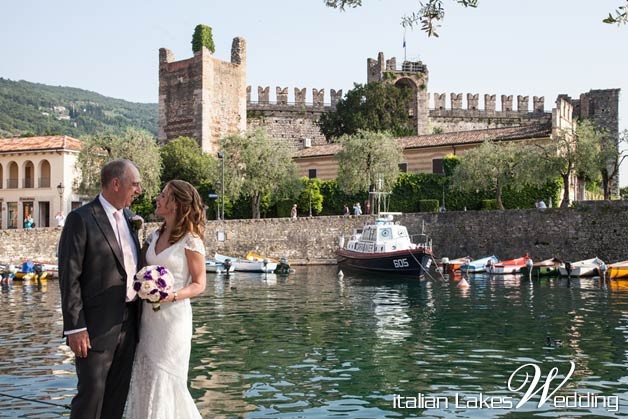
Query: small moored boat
{"points": [[385, 247], [618, 270], [217, 267], [588, 267], [511, 266], [453, 265], [478, 265], [547, 267], [243, 265]]}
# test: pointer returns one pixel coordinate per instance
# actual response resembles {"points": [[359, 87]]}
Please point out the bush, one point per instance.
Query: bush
{"points": [[428, 205], [203, 38], [489, 204]]}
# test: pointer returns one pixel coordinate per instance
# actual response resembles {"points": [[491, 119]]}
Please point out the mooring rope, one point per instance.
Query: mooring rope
{"points": [[65, 406]]}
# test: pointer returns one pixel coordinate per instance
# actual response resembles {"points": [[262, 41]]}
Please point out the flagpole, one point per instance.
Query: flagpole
{"points": [[404, 45]]}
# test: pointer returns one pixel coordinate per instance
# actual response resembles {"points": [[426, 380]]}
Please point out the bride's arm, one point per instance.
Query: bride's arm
{"points": [[196, 266]]}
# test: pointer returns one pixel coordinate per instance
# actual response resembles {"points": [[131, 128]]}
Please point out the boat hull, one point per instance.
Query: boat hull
{"points": [[404, 262]]}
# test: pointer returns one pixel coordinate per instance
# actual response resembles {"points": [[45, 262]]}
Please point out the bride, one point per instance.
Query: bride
{"points": [[160, 370]]}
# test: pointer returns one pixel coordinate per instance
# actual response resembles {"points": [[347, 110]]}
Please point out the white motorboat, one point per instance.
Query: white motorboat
{"points": [[243, 265], [386, 247], [588, 267], [217, 267]]}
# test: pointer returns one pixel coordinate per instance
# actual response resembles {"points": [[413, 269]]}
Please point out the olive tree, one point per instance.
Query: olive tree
{"points": [[256, 165], [432, 12], [136, 145], [368, 161]]}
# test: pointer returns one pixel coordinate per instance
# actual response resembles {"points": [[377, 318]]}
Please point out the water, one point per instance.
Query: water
{"points": [[312, 345]]}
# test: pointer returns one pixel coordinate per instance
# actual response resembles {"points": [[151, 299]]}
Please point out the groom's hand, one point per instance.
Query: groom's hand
{"points": [[79, 343]]}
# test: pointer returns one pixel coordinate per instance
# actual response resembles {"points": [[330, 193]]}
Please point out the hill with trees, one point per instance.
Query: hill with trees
{"points": [[28, 109]]}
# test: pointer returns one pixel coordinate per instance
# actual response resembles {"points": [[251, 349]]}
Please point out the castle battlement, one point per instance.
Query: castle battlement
{"points": [[299, 99], [489, 102], [220, 86]]}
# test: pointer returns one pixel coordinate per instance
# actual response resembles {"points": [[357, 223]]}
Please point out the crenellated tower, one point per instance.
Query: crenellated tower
{"points": [[411, 75], [202, 97]]}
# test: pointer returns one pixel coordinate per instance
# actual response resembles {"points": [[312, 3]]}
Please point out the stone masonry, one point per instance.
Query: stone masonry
{"points": [[571, 234], [202, 97]]}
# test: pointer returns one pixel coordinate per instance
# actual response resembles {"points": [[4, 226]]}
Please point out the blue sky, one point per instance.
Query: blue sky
{"points": [[531, 47]]}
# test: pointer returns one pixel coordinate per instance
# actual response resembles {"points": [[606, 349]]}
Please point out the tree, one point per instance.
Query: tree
{"points": [[368, 161], [310, 195], [256, 165], [370, 107], [183, 159], [136, 145], [566, 154], [494, 166], [603, 152], [203, 38], [432, 12]]}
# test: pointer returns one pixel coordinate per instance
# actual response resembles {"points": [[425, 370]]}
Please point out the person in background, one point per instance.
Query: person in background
{"points": [[357, 210], [345, 210], [60, 219], [293, 212], [29, 222], [541, 204]]}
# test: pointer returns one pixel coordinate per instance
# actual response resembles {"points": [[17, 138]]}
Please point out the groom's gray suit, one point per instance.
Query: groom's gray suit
{"points": [[92, 279]]}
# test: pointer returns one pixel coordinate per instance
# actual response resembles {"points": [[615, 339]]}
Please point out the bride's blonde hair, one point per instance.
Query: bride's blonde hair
{"points": [[190, 212]]}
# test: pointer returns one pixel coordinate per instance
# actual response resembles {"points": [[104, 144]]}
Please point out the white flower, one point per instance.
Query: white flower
{"points": [[137, 222], [153, 298]]}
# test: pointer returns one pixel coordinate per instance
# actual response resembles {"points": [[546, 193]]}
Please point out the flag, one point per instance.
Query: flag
{"points": [[404, 39]]}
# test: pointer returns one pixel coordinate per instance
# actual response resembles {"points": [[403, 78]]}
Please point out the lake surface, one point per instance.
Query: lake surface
{"points": [[312, 345]]}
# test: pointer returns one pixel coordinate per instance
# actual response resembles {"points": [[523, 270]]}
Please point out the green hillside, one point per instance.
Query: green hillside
{"points": [[37, 109]]}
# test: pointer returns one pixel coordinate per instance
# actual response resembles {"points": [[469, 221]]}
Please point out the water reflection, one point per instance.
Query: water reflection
{"points": [[315, 345]]}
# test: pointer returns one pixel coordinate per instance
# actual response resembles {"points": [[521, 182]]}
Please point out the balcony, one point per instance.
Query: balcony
{"points": [[28, 183], [12, 183], [44, 182]]}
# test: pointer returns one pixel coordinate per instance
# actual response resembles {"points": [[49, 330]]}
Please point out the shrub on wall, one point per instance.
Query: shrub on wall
{"points": [[489, 204], [203, 38], [428, 205]]}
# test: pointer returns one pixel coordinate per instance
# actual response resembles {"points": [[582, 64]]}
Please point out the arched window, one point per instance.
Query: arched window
{"points": [[14, 175], [44, 174], [29, 175]]}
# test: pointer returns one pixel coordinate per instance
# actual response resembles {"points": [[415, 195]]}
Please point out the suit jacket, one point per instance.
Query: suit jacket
{"points": [[92, 277]]}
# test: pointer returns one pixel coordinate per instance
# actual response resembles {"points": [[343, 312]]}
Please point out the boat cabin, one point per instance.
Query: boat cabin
{"points": [[383, 236]]}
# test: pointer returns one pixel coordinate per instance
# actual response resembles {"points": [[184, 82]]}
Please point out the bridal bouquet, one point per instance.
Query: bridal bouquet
{"points": [[153, 283]]}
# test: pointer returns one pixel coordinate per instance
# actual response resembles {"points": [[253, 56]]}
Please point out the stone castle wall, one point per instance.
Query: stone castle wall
{"points": [[475, 115], [570, 234], [202, 97], [292, 120]]}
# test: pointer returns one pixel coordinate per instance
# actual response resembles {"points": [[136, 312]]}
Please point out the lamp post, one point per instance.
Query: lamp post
{"points": [[221, 156], [60, 190]]}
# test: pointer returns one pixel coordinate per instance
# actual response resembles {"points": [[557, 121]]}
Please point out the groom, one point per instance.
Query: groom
{"points": [[98, 257]]}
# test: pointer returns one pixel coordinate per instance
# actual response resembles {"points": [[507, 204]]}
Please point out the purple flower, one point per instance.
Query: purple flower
{"points": [[137, 286], [147, 276], [161, 283], [153, 291], [162, 295], [162, 271]]}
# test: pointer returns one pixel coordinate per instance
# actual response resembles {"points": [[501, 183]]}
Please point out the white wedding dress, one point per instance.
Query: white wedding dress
{"points": [[160, 370]]}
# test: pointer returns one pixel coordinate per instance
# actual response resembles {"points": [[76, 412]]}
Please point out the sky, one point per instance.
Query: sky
{"points": [[513, 47]]}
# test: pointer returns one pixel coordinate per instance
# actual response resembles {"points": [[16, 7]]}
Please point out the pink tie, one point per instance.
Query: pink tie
{"points": [[129, 259]]}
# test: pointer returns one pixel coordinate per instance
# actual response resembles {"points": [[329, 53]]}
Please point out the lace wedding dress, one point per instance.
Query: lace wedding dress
{"points": [[160, 370]]}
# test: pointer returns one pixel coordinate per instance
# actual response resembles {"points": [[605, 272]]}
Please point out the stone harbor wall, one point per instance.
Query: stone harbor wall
{"points": [[596, 229]]}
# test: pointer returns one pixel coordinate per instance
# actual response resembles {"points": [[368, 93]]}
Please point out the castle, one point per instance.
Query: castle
{"points": [[205, 98]]}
